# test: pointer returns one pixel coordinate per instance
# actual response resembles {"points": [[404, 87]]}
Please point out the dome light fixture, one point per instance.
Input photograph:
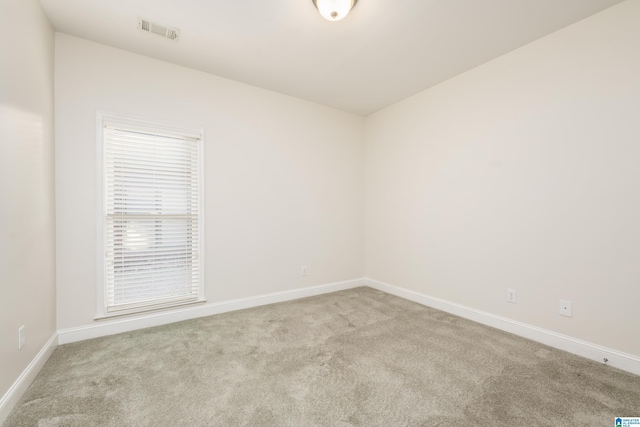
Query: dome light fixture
{"points": [[334, 10]]}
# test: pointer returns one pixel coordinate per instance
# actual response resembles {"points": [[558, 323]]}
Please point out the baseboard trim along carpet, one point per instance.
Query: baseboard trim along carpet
{"points": [[104, 327], [598, 353], [25, 379]]}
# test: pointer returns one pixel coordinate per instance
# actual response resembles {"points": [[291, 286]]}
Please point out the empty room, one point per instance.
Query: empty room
{"points": [[320, 213]]}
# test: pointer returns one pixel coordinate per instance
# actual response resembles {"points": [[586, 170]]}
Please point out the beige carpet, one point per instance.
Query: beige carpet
{"points": [[352, 358]]}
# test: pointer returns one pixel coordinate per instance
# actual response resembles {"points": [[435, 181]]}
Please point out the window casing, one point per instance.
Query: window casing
{"points": [[151, 215]]}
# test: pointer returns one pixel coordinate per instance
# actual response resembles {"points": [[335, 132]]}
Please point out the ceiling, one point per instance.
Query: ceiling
{"points": [[382, 52]]}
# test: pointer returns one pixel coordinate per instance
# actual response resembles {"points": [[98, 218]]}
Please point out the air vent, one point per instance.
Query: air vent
{"points": [[160, 30]]}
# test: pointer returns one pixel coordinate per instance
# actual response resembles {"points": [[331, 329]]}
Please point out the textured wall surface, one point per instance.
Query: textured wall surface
{"points": [[522, 173], [284, 178], [27, 234]]}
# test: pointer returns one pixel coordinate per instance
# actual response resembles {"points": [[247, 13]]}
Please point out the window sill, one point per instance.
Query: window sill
{"points": [[150, 309]]}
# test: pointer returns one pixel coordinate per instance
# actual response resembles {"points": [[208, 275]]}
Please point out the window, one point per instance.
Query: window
{"points": [[151, 240]]}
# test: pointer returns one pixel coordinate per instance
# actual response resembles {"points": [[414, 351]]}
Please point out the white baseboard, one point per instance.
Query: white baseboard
{"points": [[598, 353], [25, 379], [107, 327]]}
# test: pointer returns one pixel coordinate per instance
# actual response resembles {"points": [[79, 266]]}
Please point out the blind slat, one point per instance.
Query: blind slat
{"points": [[152, 208]]}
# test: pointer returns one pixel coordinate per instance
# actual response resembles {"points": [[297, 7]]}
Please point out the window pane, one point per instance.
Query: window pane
{"points": [[152, 218]]}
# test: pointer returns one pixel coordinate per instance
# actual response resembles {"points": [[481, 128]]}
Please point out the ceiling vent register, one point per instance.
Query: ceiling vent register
{"points": [[160, 30]]}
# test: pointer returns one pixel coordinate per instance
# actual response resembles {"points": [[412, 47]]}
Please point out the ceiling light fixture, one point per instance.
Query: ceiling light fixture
{"points": [[334, 10]]}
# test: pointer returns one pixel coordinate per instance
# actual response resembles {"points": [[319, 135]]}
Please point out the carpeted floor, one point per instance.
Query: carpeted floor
{"points": [[353, 358]]}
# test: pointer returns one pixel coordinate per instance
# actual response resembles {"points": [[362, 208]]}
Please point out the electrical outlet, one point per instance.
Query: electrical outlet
{"points": [[22, 338], [303, 270], [565, 308], [511, 295]]}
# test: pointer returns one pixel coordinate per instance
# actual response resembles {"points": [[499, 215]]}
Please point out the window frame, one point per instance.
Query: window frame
{"points": [[102, 118]]}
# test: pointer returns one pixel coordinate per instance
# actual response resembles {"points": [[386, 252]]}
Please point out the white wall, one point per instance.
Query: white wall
{"points": [[27, 239], [522, 173], [284, 177]]}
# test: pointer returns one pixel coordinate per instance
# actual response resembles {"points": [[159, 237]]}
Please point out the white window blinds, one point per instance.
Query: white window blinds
{"points": [[152, 217]]}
